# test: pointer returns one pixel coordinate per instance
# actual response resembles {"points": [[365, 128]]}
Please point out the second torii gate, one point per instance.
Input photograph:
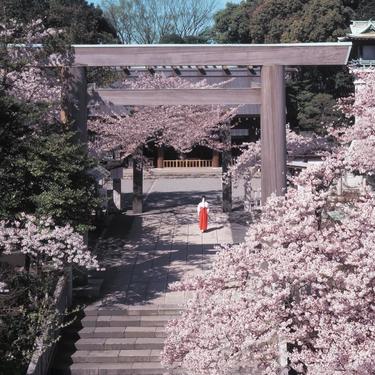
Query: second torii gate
{"points": [[272, 58]]}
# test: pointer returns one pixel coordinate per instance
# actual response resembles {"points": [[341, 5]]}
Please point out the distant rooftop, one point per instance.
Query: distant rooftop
{"points": [[361, 30]]}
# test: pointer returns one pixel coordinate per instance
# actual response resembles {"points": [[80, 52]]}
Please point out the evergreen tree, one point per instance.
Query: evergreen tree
{"points": [[82, 22], [313, 91], [43, 170]]}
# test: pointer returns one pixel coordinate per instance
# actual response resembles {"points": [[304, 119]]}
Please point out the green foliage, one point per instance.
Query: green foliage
{"points": [[61, 186], [283, 21], [232, 23], [43, 170], [365, 10], [286, 21], [23, 313], [44, 173], [27, 313], [82, 22], [271, 19], [14, 136], [315, 110], [320, 21]]}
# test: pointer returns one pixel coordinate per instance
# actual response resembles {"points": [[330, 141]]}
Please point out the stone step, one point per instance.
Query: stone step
{"points": [[136, 310], [126, 320], [136, 368], [120, 343], [122, 332], [116, 356]]}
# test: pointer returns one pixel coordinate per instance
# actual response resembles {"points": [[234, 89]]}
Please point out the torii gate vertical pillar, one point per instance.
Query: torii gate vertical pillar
{"points": [[273, 133], [138, 182], [226, 162], [74, 101]]}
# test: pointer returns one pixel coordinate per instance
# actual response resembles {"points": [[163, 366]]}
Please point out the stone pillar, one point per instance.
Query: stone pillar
{"points": [[74, 101], [215, 159], [118, 196], [226, 162], [160, 157], [273, 135], [138, 182]]}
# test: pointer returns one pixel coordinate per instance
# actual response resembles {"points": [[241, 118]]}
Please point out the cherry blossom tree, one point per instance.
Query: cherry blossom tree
{"points": [[25, 80], [45, 242], [21, 74], [297, 146], [298, 293], [178, 126], [44, 170], [247, 165]]}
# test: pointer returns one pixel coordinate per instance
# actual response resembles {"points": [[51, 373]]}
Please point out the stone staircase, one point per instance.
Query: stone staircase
{"points": [[114, 341]]}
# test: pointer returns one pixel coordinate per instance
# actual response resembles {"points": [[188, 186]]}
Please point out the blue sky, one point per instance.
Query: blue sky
{"points": [[221, 3]]}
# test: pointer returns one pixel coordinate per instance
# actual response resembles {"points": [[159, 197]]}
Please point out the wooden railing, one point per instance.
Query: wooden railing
{"points": [[187, 163]]}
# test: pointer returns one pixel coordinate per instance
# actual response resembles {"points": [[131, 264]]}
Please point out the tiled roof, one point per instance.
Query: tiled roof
{"points": [[362, 29]]}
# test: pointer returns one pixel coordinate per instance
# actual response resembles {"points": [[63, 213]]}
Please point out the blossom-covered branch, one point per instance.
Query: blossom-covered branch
{"points": [[304, 277], [179, 126], [297, 146], [46, 242]]}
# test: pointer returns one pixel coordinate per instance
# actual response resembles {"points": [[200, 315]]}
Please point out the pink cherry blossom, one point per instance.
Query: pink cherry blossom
{"points": [[179, 126], [304, 276], [46, 242]]}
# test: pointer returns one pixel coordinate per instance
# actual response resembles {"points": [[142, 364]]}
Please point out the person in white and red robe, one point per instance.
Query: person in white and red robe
{"points": [[203, 210]]}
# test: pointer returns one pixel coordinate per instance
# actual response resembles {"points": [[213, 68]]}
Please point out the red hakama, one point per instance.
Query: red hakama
{"points": [[203, 218]]}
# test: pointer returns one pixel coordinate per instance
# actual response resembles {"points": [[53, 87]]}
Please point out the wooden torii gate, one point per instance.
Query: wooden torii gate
{"points": [[272, 58]]}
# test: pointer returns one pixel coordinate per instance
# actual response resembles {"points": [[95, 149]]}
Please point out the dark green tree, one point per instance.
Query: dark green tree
{"points": [[320, 21], [286, 21], [44, 172], [232, 23], [365, 10], [82, 22], [270, 20]]}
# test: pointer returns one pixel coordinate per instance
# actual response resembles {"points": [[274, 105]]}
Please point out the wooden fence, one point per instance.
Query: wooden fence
{"points": [[187, 163]]}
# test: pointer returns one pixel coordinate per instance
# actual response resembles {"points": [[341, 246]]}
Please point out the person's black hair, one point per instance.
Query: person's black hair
{"points": [[203, 197]]}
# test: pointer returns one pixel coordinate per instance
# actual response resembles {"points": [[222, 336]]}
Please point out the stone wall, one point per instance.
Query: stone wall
{"points": [[42, 360]]}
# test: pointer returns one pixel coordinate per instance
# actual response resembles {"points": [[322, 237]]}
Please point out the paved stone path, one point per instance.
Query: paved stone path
{"points": [[163, 246], [123, 331]]}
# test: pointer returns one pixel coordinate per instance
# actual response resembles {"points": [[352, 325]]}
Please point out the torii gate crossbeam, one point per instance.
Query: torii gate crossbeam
{"points": [[271, 57]]}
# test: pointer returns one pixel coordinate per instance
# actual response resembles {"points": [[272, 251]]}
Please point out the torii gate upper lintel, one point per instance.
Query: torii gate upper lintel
{"points": [[273, 58]]}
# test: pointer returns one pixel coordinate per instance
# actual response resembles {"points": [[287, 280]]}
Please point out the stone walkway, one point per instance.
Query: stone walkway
{"points": [[163, 246], [123, 331]]}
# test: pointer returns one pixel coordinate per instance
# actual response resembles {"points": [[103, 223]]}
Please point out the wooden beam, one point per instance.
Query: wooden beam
{"points": [[273, 135], [152, 97], [213, 54]]}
